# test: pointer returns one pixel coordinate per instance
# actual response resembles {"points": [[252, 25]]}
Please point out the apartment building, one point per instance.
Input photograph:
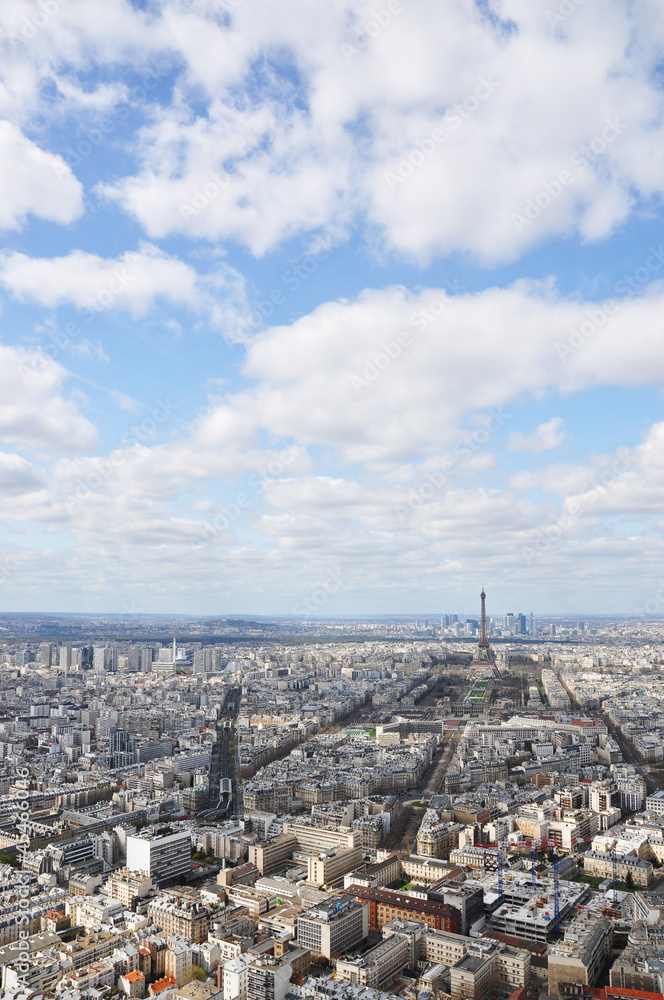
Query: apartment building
{"points": [[435, 839], [655, 803], [183, 917], [329, 868], [178, 963], [582, 954], [235, 977], [128, 887], [333, 927], [378, 967], [272, 855], [600, 865], [132, 984], [639, 966], [573, 828], [164, 855], [269, 978], [443, 947], [482, 859], [466, 897], [254, 900], [533, 827], [315, 839], [392, 904], [489, 968]]}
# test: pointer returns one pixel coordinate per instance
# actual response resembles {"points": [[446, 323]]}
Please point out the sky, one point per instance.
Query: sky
{"points": [[331, 308]]}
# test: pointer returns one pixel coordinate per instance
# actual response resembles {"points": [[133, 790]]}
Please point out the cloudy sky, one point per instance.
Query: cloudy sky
{"points": [[338, 304]]}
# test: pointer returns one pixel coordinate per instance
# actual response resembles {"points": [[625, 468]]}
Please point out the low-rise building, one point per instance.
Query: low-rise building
{"points": [[600, 864], [582, 954], [378, 967], [489, 968], [132, 984], [392, 904]]}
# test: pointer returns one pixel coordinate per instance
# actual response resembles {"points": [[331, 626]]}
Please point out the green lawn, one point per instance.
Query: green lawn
{"points": [[595, 881]]}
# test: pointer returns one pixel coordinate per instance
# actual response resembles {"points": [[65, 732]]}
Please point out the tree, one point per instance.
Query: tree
{"points": [[198, 973], [629, 881]]}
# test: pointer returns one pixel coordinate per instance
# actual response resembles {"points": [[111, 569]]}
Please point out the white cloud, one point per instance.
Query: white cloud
{"points": [[341, 377], [33, 411], [546, 436], [124, 401], [17, 476], [308, 115], [134, 282], [426, 129], [34, 182]]}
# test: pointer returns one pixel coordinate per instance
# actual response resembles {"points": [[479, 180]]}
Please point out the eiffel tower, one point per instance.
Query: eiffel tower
{"points": [[485, 660]]}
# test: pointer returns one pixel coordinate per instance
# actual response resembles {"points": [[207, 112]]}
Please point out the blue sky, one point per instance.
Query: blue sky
{"points": [[354, 300]]}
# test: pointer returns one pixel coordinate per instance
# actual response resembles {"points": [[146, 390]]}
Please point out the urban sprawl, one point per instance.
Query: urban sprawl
{"points": [[460, 807]]}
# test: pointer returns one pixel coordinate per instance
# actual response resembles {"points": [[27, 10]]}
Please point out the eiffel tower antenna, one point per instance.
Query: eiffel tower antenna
{"points": [[485, 660]]}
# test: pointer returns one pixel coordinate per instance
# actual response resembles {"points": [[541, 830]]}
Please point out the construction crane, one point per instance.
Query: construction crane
{"points": [[499, 848], [533, 861], [556, 891]]}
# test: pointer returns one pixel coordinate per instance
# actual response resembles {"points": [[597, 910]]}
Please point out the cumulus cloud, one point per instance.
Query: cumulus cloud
{"points": [[546, 436], [134, 282], [394, 375], [34, 182], [417, 120], [33, 410], [421, 123], [362, 436], [18, 476]]}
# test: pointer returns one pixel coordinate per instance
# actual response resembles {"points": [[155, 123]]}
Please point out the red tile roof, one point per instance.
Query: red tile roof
{"points": [[166, 983]]}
